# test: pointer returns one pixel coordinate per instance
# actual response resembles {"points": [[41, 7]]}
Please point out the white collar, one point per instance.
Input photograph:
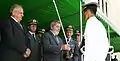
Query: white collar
{"points": [[31, 33], [14, 19], [91, 18], [52, 32], [79, 43], [69, 39]]}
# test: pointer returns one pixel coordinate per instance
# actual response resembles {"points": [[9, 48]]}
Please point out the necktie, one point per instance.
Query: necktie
{"points": [[57, 39], [32, 41], [67, 39], [67, 52], [34, 37], [20, 25]]}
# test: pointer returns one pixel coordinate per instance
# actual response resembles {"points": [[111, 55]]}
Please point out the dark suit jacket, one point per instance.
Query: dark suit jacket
{"points": [[82, 43], [13, 41], [35, 55], [79, 48], [51, 49]]}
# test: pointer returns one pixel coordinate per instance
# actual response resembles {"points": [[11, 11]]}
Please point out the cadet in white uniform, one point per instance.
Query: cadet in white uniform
{"points": [[96, 41]]}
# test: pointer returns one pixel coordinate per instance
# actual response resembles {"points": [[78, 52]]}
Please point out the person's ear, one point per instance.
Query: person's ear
{"points": [[28, 27]]}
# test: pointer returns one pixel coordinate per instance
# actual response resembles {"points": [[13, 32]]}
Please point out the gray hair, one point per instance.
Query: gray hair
{"points": [[54, 23], [15, 6]]}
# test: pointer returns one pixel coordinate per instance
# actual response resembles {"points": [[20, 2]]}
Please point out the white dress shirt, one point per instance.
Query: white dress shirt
{"points": [[17, 22], [32, 34]]}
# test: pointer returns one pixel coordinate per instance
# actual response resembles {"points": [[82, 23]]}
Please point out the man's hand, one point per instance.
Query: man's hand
{"points": [[27, 53], [69, 56], [66, 47]]}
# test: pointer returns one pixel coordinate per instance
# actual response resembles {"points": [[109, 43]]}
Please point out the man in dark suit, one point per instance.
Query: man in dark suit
{"points": [[80, 44], [40, 33], [14, 41], [52, 43], [34, 41], [73, 54]]}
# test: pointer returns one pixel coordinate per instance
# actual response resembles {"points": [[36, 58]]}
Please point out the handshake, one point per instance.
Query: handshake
{"points": [[66, 47], [27, 53]]}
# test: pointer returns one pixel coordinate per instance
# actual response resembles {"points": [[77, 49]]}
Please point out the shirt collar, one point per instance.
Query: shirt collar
{"points": [[31, 32], [91, 18], [14, 19], [52, 32], [69, 38]]}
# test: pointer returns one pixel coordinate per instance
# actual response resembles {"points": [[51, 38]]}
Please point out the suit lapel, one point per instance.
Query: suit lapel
{"points": [[17, 25], [53, 37], [60, 40]]}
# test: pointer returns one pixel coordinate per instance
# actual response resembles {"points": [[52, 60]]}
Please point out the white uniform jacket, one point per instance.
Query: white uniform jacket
{"points": [[96, 41]]}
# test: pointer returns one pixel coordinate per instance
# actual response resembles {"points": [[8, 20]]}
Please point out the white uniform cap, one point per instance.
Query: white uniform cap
{"points": [[88, 2]]}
